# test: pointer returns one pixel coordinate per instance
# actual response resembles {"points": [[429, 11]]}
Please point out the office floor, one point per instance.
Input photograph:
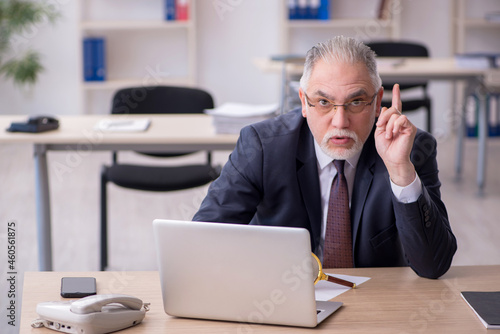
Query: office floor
{"points": [[74, 182]]}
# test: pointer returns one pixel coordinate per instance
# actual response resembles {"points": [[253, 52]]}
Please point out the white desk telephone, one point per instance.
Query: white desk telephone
{"points": [[96, 314]]}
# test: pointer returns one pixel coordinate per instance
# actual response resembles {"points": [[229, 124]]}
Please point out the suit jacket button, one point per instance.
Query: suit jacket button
{"points": [[428, 223], [425, 207]]}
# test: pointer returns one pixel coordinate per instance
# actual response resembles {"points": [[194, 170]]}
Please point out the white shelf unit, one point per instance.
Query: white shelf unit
{"points": [[469, 19], [472, 34], [342, 21], [138, 51]]}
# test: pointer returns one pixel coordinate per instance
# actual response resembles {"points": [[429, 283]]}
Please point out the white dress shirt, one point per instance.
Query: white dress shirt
{"points": [[327, 171]]}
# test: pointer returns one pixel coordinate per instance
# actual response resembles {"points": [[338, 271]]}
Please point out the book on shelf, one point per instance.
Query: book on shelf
{"points": [[169, 10], [324, 10], [230, 117], [486, 306], [94, 59], [182, 10], [177, 10], [302, 9], [309, 9]]}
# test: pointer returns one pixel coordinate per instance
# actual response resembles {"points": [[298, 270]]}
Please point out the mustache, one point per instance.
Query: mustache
{"points": [[340, 133]]}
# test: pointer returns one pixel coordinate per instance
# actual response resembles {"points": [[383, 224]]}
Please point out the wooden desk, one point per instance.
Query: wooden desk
{"points": [[394, 300], [77, 136]]}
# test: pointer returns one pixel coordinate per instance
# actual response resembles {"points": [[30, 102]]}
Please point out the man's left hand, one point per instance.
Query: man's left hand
{"points": [[394, 138]]}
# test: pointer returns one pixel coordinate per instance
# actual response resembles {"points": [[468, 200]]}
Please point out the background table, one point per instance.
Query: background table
{"points": [[394, 300], [76, 134]]}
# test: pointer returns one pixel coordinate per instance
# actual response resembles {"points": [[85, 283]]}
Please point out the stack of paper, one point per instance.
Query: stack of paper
{"points": [[477, 60], [231, 117], [492, 16]]}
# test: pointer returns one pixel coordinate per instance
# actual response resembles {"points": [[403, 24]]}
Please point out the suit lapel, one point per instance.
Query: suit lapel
{"points": [[308, 180], [362, 182]]}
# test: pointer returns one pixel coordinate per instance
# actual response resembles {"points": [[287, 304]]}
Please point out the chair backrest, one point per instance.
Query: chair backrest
{"points": [[161, 100], [399, 49]]}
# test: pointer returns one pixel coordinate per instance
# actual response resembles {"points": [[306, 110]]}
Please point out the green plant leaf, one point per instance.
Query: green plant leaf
{"points": [[23, 70], [22, 14], [18, 17]]}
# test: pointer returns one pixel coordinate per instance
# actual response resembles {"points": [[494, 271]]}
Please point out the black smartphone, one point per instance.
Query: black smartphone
{"points": [[77, 287]]}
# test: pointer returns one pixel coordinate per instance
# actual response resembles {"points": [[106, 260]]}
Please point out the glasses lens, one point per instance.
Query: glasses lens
{"points": [[323, 106], [356, 107]]}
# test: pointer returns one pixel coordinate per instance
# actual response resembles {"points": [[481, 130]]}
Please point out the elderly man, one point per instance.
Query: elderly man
{"points": [[363, 180]]}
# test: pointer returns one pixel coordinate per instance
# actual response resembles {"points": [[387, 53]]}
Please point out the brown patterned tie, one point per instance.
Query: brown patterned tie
{"points": [[338, 241]]}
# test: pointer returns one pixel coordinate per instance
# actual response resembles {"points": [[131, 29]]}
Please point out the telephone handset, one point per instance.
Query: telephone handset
{"points": [[92, 305], [97, 314]]}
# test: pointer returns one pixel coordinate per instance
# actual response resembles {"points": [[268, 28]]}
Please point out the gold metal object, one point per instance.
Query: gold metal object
{"points": [[321, 276]]}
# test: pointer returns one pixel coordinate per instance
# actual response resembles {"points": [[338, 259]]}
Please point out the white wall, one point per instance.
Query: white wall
{"points": [[57, 89], [227, 43]]}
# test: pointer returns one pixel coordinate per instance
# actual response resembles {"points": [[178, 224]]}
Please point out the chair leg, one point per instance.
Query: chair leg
{"points": [[104, 221]]}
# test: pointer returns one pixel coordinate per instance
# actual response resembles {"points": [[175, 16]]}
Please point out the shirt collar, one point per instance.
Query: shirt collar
{"points": [[324, 159]]}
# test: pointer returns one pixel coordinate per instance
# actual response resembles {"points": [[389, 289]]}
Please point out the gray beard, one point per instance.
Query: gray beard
{"points": [[341, 153]]}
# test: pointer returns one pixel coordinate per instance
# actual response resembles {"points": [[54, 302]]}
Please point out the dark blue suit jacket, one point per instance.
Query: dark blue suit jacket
{"points": [[271, 178]]}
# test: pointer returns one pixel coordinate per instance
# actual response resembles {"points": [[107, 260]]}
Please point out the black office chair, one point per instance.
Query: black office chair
{"points": [[406, 49], [155, 100]]}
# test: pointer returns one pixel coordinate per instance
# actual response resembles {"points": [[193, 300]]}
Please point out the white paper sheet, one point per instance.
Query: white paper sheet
{"points": [[327, 290], [123, 125]]}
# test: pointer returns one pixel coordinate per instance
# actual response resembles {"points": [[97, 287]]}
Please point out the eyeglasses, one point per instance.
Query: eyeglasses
{"points": [[354, 107]]}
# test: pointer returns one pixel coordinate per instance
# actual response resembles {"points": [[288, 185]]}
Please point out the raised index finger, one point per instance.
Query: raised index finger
{"points": [[396, 98]]}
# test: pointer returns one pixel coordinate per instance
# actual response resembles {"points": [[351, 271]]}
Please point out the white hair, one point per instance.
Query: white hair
{"points": [[342, 50]]}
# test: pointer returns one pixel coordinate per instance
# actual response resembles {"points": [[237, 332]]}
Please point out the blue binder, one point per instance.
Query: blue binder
{"points": [[324, 10], [88, 69], [308, 9], [471, 115], [100, 59], [302, 9], [292, 9], [493, 108], [313, 9], [169, 10], [94, 59]]}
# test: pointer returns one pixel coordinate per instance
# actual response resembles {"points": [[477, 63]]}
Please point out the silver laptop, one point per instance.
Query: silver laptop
{"points": [[242, 273]]}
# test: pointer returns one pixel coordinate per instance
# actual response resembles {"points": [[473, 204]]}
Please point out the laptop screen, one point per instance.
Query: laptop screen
{"points": [[244, 273]]}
